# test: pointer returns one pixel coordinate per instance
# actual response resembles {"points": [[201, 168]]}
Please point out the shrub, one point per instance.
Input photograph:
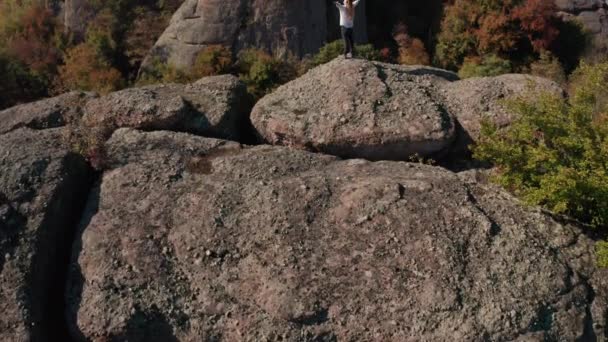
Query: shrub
{"points": [[258, 70], [588, 87], [549, 67], [602, 253], [336, 48], [490, 65], [84, 69], [554, 154], [411, 50], [212, 60], [89, 142], [161, 72], [262, 73], [413, 53]]}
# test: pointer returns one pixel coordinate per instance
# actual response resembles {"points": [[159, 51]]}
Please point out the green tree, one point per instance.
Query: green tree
{"points": [[555, 152]]}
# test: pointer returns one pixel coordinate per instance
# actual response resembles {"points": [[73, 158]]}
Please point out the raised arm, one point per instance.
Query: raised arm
{"points": [[356, 2], [338, 4]]}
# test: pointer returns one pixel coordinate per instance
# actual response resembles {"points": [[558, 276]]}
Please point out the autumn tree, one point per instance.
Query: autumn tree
{"points": [[518, 30], [411, 49], [33, 44], [86, 69], [537, 21], [28, 55]]}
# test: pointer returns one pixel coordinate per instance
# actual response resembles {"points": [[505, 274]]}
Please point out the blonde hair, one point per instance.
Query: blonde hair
{"points": [[350, 9]]}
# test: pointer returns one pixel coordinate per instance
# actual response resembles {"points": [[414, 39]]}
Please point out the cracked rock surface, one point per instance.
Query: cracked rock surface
{"points": [[42, 188], [215, 106], [362, 109], [187, 238], [48, 113]]}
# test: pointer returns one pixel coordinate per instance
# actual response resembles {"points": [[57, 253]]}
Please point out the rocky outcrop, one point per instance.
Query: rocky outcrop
{"points": [[362, 109], [188, 238], [475, 100], [213, 106], [76, 17], [577, 6], [593, 15], [42, 188], [277, 25], [48, 113], [376, 111]]}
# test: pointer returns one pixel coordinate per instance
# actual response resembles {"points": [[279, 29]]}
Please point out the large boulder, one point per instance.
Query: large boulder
{"points": [[42, 189], [277, 25], [357, 108], [213, 106], [475, 100], [47, 113], [188, 238]]}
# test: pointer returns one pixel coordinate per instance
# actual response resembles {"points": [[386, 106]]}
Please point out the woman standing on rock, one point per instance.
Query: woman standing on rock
{"points": [[347, 22]]}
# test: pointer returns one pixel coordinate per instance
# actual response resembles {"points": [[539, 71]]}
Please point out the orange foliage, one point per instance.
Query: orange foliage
{"points": [[495, 33], [212, 60], [414, 53], [85, 70], [33, 45], [519, 29], [536, 18], [411, 50]]}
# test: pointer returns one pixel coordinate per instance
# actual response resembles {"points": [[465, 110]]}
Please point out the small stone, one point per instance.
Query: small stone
{"points": [[363, 219]]}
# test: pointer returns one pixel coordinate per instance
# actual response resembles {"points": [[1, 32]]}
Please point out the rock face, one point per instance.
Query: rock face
{"points": [[276, 25], [77, 14], [357, 108], [188, 238], [213, 106], [593, 15], [474, 100], [42, 188], [48, 113]]}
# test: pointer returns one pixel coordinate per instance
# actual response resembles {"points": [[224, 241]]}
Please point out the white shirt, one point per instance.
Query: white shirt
{"points": [[345, 19]]}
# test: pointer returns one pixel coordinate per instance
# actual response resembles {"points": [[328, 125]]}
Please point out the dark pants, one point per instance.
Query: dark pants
{"points": [[349, 41]]}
